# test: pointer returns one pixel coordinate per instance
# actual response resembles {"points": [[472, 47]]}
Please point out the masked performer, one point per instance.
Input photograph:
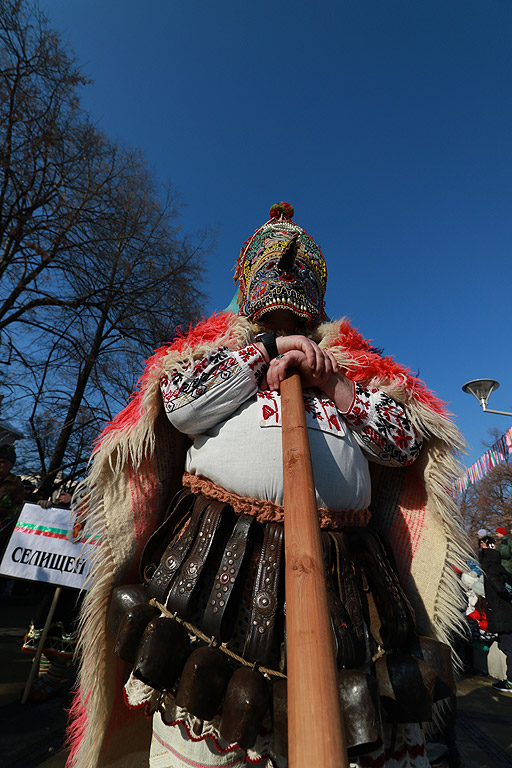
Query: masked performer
{"points": [[203, 640]]}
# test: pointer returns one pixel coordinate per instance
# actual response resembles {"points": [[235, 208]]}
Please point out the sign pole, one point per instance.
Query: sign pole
{"points": [[42, 640]]}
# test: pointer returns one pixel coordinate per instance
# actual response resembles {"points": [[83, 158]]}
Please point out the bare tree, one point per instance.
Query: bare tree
{"points": [[144, 281], [94, 269], [53, 161]]}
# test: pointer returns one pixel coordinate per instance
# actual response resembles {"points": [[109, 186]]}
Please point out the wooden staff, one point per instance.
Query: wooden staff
{"points": [[315, 725]]}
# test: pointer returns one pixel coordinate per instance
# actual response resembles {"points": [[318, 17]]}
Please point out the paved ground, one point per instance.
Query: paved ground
{"points": [[32, 735], [484, 724], [29, 733]]}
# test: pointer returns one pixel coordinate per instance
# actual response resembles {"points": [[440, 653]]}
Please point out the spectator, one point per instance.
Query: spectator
{"points": [[498, 604], [12, 492], [504, 545], [12, 495], [63, 501], [30, 492]]}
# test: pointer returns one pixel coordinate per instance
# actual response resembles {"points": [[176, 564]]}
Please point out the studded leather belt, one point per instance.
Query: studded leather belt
{"points": [[220, 613], [350, 628], [180, 509], [184, 586], [176, 553], [265, 596]]}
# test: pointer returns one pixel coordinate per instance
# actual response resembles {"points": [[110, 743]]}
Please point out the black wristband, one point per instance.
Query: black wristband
{"points": [[268, 339]]}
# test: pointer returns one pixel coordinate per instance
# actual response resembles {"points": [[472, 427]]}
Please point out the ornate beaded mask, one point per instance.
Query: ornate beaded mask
{"points": [[281, 267]]}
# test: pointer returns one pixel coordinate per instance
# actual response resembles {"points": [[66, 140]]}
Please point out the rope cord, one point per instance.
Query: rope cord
{"points": [[192, 630]]}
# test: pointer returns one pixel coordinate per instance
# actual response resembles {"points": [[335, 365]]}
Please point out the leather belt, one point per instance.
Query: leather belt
{"points": [[351, 634], [176, 553], [393, 607], [179, 509], [264, 597], [218, 621], [338, 614], [184, 586]]}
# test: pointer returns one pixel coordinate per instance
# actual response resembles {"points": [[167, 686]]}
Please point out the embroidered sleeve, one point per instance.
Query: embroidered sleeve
{"points": [[382, 428], [210, 390]]}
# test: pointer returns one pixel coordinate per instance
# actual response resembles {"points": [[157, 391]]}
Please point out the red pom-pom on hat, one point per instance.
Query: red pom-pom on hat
{"points": [[281, 208]]}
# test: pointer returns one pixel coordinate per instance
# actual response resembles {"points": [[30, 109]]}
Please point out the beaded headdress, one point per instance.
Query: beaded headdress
{"points": [[281, 267]]}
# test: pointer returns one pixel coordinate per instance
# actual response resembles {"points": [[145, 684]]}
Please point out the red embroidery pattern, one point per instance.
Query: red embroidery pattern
{"points": [[221, 750], [270, 407], [321, 413], [181, 388], [383, 426], [414, 750]]}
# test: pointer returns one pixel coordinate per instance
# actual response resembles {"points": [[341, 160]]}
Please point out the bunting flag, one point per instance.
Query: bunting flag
{"points": [[495, 455]]}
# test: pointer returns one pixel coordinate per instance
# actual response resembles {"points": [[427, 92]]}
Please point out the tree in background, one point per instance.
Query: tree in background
{"points": [[94, 270], [488, 503], [51, 162]]}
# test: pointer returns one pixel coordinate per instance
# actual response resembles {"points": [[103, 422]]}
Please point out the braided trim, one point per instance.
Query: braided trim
{"points": [[267, 511]]}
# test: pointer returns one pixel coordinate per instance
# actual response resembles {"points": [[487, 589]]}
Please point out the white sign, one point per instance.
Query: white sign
{"points": [[39, 549]]}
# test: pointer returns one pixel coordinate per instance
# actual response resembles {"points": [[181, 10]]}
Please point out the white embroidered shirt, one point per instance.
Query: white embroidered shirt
{"points": [[235, 428]]}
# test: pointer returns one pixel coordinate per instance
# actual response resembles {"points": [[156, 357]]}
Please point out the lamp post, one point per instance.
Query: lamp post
{"points": [[482, 389]]}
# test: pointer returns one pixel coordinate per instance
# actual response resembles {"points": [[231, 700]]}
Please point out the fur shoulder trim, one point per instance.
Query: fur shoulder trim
{"points": [[205, 333], [131, 431], [366, 364], [130, 435]]}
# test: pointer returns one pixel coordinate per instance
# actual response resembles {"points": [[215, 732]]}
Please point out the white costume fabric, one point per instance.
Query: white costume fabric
{"points": [[235, 428]]}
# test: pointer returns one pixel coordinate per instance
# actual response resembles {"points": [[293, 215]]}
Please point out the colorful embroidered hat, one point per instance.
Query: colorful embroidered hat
{"points": [[281, 267]]}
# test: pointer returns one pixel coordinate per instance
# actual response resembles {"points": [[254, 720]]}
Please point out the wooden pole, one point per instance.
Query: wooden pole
{"points": [[315, 725], [35, 661]]}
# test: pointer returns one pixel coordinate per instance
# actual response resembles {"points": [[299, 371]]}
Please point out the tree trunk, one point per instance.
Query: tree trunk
{"points": [[74, 407]]}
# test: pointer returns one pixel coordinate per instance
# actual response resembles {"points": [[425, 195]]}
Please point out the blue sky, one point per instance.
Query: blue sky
{"points": [[385, 123]]}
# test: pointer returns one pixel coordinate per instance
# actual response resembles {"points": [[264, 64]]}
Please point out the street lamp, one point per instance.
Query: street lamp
{"points": [[482, 389]]}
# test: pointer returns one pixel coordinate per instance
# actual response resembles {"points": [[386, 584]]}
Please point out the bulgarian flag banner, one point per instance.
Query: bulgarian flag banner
{"points": [[40, 549]]}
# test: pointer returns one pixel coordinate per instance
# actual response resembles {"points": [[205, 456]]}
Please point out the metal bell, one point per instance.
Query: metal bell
{"points": [[203, 682], [123, 598], [163, 650], [131, 629], [438, 656], [360, 706], [247, 700], [406, 686], [280, 710]]}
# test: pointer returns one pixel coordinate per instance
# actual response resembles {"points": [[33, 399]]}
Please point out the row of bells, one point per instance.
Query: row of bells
{"points": [[160, 651]]}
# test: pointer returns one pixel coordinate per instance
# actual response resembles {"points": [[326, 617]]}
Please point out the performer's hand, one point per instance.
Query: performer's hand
{"points": [[317, 361], [318, 374], [326, 376], [314, 356]]}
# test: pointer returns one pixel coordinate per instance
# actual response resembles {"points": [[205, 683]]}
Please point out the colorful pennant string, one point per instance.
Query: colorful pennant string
{"points": [[494, 456]]}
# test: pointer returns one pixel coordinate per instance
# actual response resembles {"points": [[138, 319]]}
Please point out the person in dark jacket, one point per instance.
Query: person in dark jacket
{"points": [[504, 545], [12, 492], [498, 604]]}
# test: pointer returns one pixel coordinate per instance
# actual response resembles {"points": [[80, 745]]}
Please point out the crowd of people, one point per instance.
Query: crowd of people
{"points": [[488, 584]]}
